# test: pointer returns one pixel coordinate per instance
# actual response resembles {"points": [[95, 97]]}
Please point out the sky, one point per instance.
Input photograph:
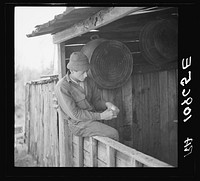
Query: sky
{"points": [[35, 52]]}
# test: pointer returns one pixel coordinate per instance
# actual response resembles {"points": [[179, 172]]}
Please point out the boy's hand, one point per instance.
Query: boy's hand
{"points": [[107, 115], [112, 107]]}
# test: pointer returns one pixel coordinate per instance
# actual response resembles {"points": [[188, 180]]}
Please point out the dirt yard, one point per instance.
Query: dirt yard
{"points": [[22, 158]]}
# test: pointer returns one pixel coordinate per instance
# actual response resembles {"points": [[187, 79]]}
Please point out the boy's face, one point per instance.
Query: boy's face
{"points": [[79, 75]]}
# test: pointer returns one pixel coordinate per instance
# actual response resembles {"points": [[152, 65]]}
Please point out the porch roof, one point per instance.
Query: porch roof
{"points": [[72, 16], [65, 20]]}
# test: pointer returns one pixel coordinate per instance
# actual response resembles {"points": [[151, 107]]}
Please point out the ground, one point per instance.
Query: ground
{"points": [[22, 158]]}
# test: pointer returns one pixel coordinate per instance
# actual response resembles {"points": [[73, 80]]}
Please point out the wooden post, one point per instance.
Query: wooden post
{"points": [[27, 115], [68, 145], [133, 162], [139, 164], [80, 151], [63, 146], [110, 156], [61, 60], [65, 137], [128, 115], [93, 152]]}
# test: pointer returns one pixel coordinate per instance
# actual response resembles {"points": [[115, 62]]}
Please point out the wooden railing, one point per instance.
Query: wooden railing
{"points": [[104, 152]]}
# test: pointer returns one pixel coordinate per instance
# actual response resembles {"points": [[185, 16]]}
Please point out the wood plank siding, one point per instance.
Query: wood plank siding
{"points": [[148, 114], [41, 123], [154, 114]]}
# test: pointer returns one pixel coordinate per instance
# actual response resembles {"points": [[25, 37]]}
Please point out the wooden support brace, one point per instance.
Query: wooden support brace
{"points": [[80, 151], [111, 156], [93, 152], [61, 60], [133, 162]]}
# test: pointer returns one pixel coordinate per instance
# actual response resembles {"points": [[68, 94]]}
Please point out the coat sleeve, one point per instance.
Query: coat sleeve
{"points": [[68, 105], [97, 100]]}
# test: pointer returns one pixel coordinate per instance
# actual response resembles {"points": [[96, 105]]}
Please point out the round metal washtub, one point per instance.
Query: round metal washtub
{"points": [[159, 41], [111, 62]]}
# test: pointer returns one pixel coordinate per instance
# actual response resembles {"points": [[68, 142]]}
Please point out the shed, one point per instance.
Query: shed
{"points": [[147, 100]]}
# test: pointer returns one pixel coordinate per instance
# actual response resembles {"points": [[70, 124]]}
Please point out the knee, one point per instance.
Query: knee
{"points": [[114, 134]]}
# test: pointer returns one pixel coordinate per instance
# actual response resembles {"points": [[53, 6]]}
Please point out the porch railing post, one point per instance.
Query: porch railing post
{"points": [[110, 156], [133, 162], [80, 151], [93, 152]]}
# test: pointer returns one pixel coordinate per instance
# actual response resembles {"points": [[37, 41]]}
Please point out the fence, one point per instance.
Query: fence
{"points": [[41, 123], [104, 152]]}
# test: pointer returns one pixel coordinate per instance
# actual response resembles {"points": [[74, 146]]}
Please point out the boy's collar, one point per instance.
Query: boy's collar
{"points": [[69, 79]]}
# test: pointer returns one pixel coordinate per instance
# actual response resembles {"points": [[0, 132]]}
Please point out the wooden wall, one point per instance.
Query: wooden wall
{"points": [[148, 114], [155, 97], [148, 109], [41, 123]]}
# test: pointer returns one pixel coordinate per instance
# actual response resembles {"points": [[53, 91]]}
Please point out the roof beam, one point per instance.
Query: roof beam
{"points": [[101, 18], [120, 36]]}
